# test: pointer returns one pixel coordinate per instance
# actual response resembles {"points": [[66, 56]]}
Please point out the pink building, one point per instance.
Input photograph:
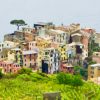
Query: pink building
{"points": [[32, 45], [85, 42], [66, 68], [30, 59], [96, 57], [9, 67]]}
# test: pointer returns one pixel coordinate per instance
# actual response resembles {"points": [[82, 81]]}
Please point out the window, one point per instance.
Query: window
{"points": [[5, 70], [51, 55], [52, 51], [24, 55], [92, 76], [25, 60], [55, 64], [98, 68], [2, 45], [63, 37], [10, 70], [46, 53], [30, 57], [97, 54], [92, 72], [92, 67], [30, 64]]}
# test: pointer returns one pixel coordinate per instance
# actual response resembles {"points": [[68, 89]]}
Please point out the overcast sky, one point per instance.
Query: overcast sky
{"points": [[85, 12]]}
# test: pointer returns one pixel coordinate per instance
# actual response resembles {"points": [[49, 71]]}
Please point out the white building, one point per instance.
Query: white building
{"points": [[59, 36], [52, 56], [7, 45]]}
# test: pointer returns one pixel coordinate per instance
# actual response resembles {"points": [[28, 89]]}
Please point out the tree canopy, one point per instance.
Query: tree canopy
{"points": [[18, 23], [68, 79]]}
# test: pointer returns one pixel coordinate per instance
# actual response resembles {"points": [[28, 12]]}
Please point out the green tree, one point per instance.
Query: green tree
{"points": [[18, 23], [64, 78], [84, 73], [69, 79], [77, 81], [76, 69], [25, 71]]}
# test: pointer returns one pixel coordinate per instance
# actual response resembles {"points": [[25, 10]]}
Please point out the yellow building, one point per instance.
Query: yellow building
{"points": [[62, 52], [43, 42], [40, 57], [15, 55], [93, 71], [11, 56]]}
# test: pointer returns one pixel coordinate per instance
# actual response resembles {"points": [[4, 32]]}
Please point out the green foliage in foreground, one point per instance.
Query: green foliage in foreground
{"points": [[68, 79], [26, 87], [25, 71]]}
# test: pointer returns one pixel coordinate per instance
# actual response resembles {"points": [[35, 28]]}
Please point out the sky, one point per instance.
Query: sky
{"points": [[85, 12]]}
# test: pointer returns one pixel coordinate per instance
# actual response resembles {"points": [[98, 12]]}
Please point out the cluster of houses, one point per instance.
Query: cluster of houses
{"points": [[47, 48]]}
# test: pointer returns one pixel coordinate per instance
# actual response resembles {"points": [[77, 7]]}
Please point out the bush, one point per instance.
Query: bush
{"points": [[77, 81], [63, 78], [1, 74], [84, 73], [68, 79], [77, 70], [25, 71]]}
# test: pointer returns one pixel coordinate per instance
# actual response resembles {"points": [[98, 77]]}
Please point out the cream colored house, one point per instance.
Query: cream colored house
{"points": [[58, 36], [93, 71]]}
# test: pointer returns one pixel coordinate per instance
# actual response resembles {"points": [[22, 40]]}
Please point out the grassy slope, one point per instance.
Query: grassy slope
{"points": [[25, 87]]}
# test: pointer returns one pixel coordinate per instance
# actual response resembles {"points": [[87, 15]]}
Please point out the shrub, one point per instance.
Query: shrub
{"points": [[25, 71], [77, 81], [1, 74], [68, 79], [63, 78], [76, 69]]}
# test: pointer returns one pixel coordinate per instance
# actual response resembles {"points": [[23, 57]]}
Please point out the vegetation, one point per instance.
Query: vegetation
{"points": [[68, 79], [81, 71], [18, 23], [29, 86], [1, 74], [25, 71]]}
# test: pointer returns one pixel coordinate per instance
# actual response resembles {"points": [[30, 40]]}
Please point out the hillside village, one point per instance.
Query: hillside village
{"points": [[51, 49]]}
